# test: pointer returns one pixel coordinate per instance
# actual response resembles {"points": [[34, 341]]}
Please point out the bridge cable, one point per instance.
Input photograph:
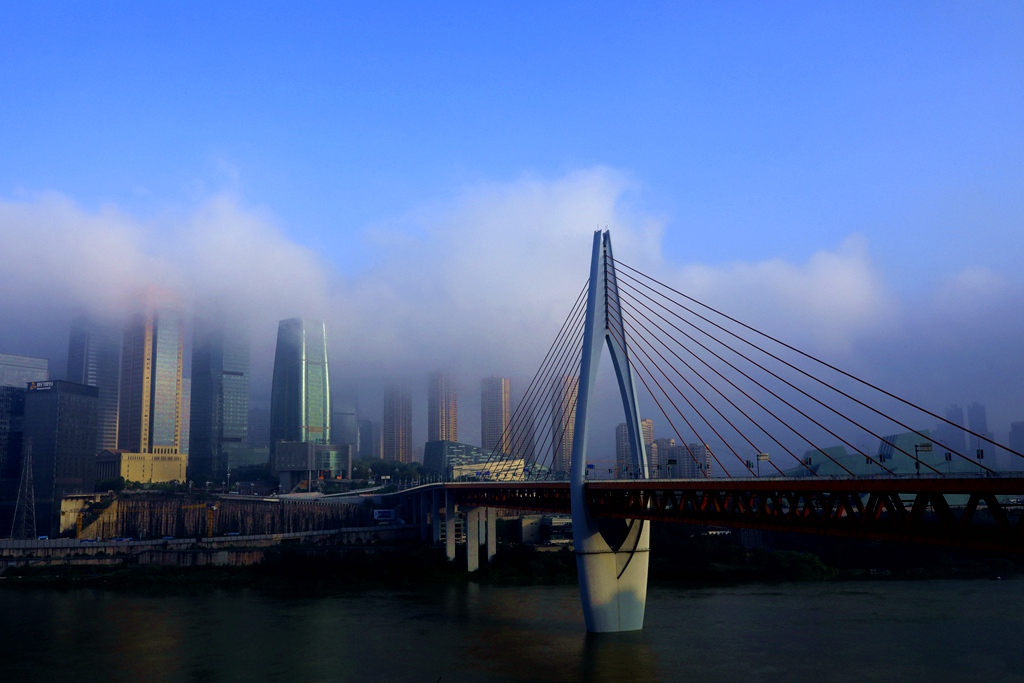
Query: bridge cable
{"points": [[636, 334], [524, 409], [759, 384], [788, 383], [522, 425], [695, 409], [827, 365], [780, 398], [675, 429]]}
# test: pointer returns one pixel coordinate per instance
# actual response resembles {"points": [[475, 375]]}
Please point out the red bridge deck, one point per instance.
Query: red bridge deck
{"points": [[982, 513]]}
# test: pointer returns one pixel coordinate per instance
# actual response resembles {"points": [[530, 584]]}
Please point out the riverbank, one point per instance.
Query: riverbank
{"points": [[681, 562]]}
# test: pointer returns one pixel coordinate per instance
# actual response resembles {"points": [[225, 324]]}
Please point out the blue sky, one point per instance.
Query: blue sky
{"points": [[754, 129], [728, 144]]}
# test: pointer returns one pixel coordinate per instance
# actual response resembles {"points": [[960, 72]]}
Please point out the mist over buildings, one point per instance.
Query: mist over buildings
{"points": [[478, 285]]}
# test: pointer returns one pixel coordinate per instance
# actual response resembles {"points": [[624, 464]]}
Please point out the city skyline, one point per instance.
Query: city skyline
{"points": [[868, 213], [604, 448]]}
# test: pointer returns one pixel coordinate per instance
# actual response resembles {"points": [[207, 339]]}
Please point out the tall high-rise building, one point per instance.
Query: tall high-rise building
{"points": [[219, 430], [17, 371], [688, 461], [442, 408], [396, 429], [12, 413], [495, 412], [149, 404], [186, 415], [345, 422], [623, 457], [94, 359], [60, 424], [369, 439], [952, 436], [300, 398], [1016, 443], [563, 418], [696, 461], [977, 421], [259, 427]]}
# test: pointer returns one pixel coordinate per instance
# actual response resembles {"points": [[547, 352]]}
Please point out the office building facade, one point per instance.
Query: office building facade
{"points": [[149, 401], [60, 428], [977, 422], [442, 408], [219, 429], [12, 414], [495, 414], [623, 457], [17, 371], [369, 439], [94, 359], [300, 398], [396, 428], [563, 419], [687, 461], [345, 422]]}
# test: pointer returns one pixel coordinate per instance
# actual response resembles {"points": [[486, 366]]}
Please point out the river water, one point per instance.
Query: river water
{"points": [[851, 631]]}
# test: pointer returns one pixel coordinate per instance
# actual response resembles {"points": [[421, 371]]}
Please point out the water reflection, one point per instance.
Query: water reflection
{"points": [[484, 633]]}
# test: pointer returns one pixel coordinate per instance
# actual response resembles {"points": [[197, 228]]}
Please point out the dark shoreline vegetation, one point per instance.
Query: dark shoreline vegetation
{"points": [[682, 557]]}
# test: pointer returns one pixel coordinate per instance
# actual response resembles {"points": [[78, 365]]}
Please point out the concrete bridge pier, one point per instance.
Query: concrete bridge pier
{"points": [[449, 526], [613, 580], [424, 514], [492, 534], [435, 517], [473, 539]]}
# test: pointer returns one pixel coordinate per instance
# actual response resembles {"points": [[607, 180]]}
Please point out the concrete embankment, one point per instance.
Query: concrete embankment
{"points": [[235, 550]]}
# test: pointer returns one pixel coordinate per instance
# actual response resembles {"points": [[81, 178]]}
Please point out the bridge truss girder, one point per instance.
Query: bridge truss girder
{"points": [[967, 513], [976, 520]]}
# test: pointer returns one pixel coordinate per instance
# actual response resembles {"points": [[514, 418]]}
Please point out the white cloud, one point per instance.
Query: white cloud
{"points": [[478, 284]]}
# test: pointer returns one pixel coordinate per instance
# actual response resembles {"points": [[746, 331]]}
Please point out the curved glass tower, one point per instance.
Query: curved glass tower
{"points": [[300, 398]]}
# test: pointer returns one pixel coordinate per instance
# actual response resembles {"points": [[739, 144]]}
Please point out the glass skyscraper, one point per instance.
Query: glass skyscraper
{"points": [[17, 371], [219, 426], [94, 357], [300, 397], [345, 422], [149, 414]]}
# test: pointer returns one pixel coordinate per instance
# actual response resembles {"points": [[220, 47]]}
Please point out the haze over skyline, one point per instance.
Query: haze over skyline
{"points": [[427, 179]]}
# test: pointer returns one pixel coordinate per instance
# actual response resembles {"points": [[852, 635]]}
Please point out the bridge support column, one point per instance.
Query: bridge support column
{"points": [[424, 500], [613, 582], [435, 517], [492, 535], [611, 557], [473, 539], [449, 527]]}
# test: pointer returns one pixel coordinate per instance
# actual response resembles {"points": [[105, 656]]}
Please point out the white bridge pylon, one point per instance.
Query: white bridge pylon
{"points": [[612, 562]]}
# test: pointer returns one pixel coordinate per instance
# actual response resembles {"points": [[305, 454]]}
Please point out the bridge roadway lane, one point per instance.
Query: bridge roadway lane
{"points": [[979, 513]]}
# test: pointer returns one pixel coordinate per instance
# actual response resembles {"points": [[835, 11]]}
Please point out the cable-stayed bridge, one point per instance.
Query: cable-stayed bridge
{"points": [[740, 403]]}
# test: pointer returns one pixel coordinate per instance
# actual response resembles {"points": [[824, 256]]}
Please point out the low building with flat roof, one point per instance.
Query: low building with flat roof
{"points": [[144, 468], [457, 460]]}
